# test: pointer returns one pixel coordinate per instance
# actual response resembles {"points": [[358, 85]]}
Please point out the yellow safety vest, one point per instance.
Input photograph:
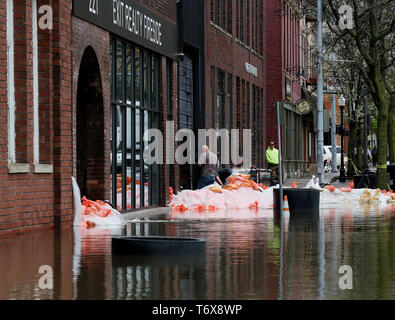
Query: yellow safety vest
{"points": [[272, 156]]}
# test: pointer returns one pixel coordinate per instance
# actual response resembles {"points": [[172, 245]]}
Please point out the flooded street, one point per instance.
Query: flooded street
{"points": [[249, 255]]}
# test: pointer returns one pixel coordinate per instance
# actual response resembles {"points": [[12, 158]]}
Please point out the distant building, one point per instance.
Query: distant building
{"points": [[222, 71], [290, 65]]}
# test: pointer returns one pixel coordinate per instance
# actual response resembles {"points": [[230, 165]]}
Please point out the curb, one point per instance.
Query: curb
{"points": [[146, 213]]}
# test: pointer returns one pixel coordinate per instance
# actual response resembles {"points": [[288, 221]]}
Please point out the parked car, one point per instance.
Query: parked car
{"points": [[328, 157]]}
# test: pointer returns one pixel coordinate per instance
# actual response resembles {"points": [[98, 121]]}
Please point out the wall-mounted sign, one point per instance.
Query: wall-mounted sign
{"points": [[252, 69], [130, 20], [303, 106]]}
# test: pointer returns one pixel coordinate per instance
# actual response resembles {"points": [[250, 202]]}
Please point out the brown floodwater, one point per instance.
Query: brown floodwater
{"points": [[249, 255]]}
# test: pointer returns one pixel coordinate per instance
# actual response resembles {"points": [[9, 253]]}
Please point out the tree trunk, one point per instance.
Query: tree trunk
{"points": [[351, 146], [382, 122], [382, 148], [391, 128], [359, 146]]}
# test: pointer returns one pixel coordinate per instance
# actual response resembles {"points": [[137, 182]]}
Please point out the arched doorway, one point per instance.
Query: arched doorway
{"points": [[90, 128]]}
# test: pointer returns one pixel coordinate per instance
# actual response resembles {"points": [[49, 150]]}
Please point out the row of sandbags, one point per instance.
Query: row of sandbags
{"points": [[248, 195]]}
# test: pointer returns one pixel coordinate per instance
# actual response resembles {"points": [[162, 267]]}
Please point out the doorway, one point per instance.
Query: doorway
{"points": [[90, 128]]}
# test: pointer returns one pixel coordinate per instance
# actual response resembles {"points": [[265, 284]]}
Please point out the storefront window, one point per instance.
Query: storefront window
{"points": [[135, 85], [137, 76]]}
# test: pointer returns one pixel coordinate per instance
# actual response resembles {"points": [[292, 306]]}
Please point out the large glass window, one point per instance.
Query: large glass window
{"points": [[221, 14], [219, 113], [134, 109]]}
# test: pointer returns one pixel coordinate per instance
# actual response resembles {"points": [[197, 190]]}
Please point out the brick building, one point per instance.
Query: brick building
{"points": [[290, 68], [124, 82], [35, 113], [223, 43], [81, 81]]}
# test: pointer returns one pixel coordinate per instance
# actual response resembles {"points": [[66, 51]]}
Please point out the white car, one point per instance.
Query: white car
{"points": [[328, 157]]}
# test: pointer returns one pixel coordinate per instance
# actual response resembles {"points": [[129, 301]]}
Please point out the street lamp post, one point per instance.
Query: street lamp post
{"points": [[320, 97], [353, 123], [342, 103]]}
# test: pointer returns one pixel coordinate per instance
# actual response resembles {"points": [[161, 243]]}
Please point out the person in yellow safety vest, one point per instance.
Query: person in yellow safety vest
{"points": [[272, 160]]}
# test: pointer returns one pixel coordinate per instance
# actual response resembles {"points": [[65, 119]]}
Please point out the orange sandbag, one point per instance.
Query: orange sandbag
{"points": [[351, 184], [245, 185], [231, 186], [171, 193], [330, 188], [93, 208], [200, 208], [254, 205], [90, 224], [216, 189], [181, 208], [345, 189], [254, 185], [245, 176]]}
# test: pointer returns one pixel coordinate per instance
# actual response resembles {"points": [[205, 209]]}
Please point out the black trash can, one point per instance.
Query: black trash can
{"points": [[391, 172], [368, 180], [300, 201]]}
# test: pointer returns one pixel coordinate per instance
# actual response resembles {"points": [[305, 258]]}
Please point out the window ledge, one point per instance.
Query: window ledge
{"points": [[243, 44], [43, 168], [257, 54], [18, 168], [216, 26]]}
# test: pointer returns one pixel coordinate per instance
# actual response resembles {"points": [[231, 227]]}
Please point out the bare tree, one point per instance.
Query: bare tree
{"points": [[370, 42]]}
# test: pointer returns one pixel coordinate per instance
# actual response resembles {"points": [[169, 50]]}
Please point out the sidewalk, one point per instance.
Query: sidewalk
{"points": [[329, 178]]}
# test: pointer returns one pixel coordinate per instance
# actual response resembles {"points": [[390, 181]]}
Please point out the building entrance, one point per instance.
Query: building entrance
{"points": [[90, 128]]}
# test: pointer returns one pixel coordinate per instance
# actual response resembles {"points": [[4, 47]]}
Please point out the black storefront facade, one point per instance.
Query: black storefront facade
{"points": [[191, 78], [142, 52]]}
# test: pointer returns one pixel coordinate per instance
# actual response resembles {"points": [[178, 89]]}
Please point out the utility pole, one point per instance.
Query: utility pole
{"points": [[333, 134], [280, 159], [320, 100]]}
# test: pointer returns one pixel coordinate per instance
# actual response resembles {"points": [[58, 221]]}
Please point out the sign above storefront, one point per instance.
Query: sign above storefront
{"points": [[132, 21], [252, 69]]}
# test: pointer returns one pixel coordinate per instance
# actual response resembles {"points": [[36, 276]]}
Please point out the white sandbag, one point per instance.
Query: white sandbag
{"points": [[310, 184]]}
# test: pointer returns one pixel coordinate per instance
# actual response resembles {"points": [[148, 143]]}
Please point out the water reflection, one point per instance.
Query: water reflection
{"points": [[249, 255], [21, 258], [157, 277]]}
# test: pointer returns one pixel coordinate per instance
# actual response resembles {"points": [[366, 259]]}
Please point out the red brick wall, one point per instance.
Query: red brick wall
{"points": [[274, 85], [165, 8], [32, 201], [283, 56], [86, 35], [227, 54]]}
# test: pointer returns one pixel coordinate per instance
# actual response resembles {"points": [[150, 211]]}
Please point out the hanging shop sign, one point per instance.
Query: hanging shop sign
{"points": [[132, 21], [303, 106]]}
